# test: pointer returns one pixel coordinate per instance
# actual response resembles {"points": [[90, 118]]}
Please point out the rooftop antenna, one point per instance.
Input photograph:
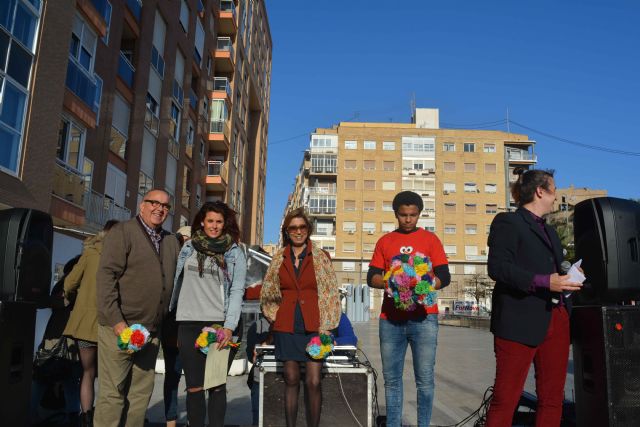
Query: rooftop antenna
{"points": [[508, 124], [412, 104]]}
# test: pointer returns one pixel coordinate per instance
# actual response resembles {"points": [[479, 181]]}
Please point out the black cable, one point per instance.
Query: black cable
{"points": [[481, 412]]}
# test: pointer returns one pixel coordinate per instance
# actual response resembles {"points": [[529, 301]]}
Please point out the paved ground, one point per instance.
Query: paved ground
{"points": [[464, 370]]}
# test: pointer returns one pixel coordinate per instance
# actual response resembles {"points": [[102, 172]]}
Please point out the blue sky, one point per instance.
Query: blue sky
{"points": [[566, 68]]}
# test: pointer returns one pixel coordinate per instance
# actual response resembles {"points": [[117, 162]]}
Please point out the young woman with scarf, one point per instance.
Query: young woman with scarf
{"points": [[209, 286], [300, 298]]}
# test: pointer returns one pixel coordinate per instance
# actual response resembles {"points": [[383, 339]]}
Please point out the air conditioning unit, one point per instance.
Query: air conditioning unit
{"points": [[370, 232], [412, 173], [483, 252], [432, 170], [445, 192], [352, 231], [425, 194]]}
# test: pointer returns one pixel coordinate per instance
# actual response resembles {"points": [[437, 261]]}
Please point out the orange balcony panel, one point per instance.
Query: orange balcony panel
{"points": [[220, 94], [218, 142], [93, 16], [227, 22], [224, 61], [215, 183]]}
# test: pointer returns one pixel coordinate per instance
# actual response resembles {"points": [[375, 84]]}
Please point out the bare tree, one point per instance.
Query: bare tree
{"points": [[478, 287]]}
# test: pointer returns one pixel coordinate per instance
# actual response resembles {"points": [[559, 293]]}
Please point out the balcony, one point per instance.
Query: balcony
{"points": [[521, 157], [329, 191], [322, 210], [126, 71], [219, 139], [100, 209], [224, 55], [221, 89], [216, 173], [69, 184], [227, 23], [193, 100], [87, 88], [135, 6]]}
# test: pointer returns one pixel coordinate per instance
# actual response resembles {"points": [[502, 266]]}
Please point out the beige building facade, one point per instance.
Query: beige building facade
{"points": [[352, 171], [103, 100]]}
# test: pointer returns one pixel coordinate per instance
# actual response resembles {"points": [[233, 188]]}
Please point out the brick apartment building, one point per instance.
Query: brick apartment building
{"points": [[102, 100], [351, 172]]}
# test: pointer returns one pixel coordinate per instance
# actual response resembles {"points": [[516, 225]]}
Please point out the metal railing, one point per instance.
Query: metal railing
{"points": [[69, 184], [330, 191], [216, 126], [126, 70], [225, 44], [214, 168], [222, 84], [515, 155], [99, 209], [81, 84]]}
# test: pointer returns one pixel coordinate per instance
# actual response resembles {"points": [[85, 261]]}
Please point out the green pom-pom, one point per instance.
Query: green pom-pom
{"points": [[404, 258], [422, 288], [417, 261], [325, 339]]}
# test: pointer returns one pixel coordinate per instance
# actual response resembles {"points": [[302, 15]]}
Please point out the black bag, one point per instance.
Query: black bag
{"points": [[53, 364]]}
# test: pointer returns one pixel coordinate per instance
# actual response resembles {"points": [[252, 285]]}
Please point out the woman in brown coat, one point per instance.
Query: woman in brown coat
{"points": [[82, 324], [300, 298]]}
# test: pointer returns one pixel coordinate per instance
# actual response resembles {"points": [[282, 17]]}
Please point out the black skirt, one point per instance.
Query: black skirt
{"points": [[292, 346]]}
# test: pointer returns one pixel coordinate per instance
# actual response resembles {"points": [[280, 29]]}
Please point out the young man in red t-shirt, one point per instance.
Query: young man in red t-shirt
{"points": [[418, 327]]}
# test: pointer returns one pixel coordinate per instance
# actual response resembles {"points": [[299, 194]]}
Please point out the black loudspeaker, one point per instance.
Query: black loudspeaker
{"points": [[606, 357], [607, 239], [17, 330], [26, 239], [357, 388]]}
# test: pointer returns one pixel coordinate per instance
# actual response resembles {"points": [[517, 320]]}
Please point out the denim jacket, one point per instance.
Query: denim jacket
{"points": [[234, 279]]}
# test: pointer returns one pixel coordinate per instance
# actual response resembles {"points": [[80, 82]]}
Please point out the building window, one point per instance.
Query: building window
{"points": [[70, 149], [469, 269], [470, 208], [324, 141], [157, 61], [449, 187], [471, 250], [470, 229], [184, 16], [490, 188], [449, 166], [369, 165], [348, 265], [449, 229], [349, 226], [369, 184], [487, 228], [389, 165], [203, 149], [450, 249], [349, 205], [145, 184], [448, 146], [350, 164], [491, 208], [388, 145], [191, 131], [388, 227], [469, 167], [350, 145], [369, 227], [120, 126], [490, 168], [450, 207], [469, 147], [418, 144], [388, 185], [368, 247], [349, 184], [83, 44], [489, 148], [369, 145], [387, 206], [470, 187], [365, 265], [152, 114], [369, 206], [174, 131], [349, 247]]}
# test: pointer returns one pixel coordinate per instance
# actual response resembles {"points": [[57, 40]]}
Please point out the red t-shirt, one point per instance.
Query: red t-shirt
{"points": [[397, 243]]}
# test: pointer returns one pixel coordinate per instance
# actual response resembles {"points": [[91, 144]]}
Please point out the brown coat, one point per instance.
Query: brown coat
{"points": [[81, 280], [134, 282]]}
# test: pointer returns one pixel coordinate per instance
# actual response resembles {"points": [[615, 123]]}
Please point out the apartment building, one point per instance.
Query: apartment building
{"points": [[102, 100], [352, 171]]}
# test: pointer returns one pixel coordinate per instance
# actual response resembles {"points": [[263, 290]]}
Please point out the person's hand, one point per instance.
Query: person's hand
{"points": [[119, 327], [228, 333], [558, 283]]}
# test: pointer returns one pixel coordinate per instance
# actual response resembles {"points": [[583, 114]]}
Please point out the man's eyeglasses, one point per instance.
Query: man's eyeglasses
{"points": [[156, 204], [300, 228]]}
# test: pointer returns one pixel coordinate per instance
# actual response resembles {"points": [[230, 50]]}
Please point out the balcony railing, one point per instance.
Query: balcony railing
{"points": [[126, 70], [135, 6], [225, 44], [329, 191], [99, 209], [214, 168], [69, 184], [324, 169], [216, 126], [228, 6], [322, 210], [222, 84], [515, 155], [85, 87]]}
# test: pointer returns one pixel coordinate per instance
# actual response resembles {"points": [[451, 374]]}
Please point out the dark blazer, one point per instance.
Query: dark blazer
{"points": [[518, 251], [302, 289]]}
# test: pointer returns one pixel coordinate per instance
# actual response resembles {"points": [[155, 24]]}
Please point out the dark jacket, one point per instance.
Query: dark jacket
{"points": [[518, 251], [134, 282]]}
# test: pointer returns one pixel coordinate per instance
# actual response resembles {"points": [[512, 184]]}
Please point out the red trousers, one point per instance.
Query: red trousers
{"points": [[513, 360]]}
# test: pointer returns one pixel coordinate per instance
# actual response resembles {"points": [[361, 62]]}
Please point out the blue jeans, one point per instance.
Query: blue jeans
{"points": [[422, 335]]}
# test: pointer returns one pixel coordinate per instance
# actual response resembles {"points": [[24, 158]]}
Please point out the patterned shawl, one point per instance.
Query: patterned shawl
{"points": [[328, 293]]}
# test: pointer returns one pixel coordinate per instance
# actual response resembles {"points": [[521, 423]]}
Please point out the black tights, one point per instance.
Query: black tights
{"points": [[88, 360], [197, 407], [313, 392]]}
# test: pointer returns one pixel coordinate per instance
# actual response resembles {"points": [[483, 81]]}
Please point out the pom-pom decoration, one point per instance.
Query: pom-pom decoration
{"points": [[320, 346], [210, 335], [133, 338], [410, 281]]}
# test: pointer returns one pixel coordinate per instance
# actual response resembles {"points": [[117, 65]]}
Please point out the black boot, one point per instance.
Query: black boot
{"points": [[86, 418]]}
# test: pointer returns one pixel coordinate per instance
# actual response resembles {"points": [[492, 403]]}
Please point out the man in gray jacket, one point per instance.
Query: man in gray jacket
{"points": [[134, 284]]}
